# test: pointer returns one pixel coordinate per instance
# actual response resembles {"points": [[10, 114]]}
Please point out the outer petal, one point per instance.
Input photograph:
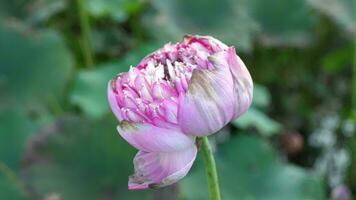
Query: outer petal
{"points": [[243, 84], [157, 169], [113, 102], [209, 102], [150, 138]]}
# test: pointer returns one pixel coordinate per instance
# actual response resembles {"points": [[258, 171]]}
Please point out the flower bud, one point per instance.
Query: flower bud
{"points": [[181, 91]]}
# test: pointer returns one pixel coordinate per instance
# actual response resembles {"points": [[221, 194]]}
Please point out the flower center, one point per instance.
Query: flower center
{"points": [[150, 91]]}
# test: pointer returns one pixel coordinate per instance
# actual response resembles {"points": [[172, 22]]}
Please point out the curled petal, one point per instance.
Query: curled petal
{"points": [[159, 169], [209, 102], [150, 138]]}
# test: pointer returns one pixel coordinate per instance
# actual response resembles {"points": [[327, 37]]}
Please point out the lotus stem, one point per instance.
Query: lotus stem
{"points": [[210, 168], [86, 44]]}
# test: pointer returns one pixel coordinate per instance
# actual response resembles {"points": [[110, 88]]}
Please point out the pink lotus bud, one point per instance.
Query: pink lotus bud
{"points": [[183, 90]]}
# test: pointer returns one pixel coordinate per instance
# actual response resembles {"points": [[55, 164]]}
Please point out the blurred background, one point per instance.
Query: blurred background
{"points": [[58, 139]]}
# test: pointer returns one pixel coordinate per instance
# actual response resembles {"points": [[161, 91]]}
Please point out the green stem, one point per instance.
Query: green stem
{"points": [[353, 87], [210, 168], [86, 45]]}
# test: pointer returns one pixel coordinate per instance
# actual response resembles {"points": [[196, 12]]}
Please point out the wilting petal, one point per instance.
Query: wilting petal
{"points": [[150, 138], [158, 169], [209, 102], [243, 84], [113, 102]]}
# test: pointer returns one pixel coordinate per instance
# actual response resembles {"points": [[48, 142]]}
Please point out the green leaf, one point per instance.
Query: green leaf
{"points": [[9, 9], [118, 10], [261, 96], [15, 129], [274, 22], [10, 187], [226, 20], [248, 168], [283, 22], [80, 159], [35, 66], [254, 118], [90, 86], [338, 59], [31, 11]]}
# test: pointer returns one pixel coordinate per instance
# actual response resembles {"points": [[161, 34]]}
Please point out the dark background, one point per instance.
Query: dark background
{"points": [[58, 138]]}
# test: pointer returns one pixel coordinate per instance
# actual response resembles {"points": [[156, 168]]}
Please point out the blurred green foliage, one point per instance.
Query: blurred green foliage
{"points": [[84, 157], [273, 22], [119, 10], [255, 117], [58, 139], [10, 187], [248, 168], [37, 60], [15, 130]]}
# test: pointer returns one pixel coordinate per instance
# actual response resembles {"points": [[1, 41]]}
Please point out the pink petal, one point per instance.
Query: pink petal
{"points": [[158, 121], [143, 88], [162, 90], [134, 115], [243, 84], [159, 169], [150, 138], [209, 102], [169, 110], [207, 41], [113, 103]]}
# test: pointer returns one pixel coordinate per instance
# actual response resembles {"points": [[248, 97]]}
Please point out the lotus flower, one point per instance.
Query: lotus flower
{"points": [[179, 92]]}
